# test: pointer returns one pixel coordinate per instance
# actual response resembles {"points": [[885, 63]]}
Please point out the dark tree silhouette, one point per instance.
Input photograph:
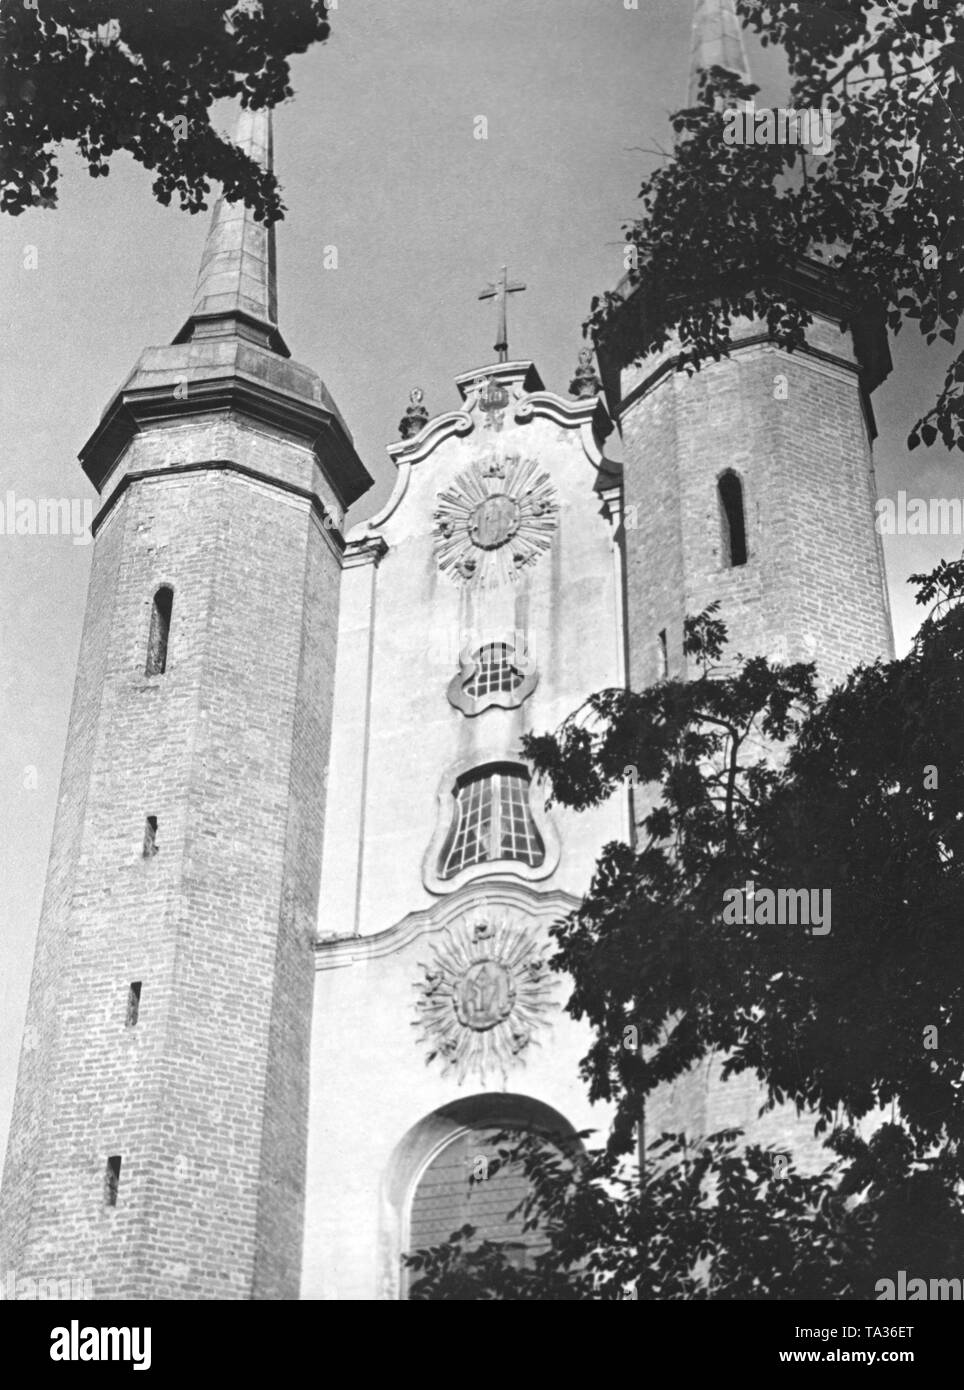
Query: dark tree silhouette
{"points": [[725, 227], [141, 75], [748, 775]]}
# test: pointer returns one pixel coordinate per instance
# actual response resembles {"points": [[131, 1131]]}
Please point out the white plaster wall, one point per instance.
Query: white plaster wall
{"points": [[395, 735], [371, 1086], [567, 605]]}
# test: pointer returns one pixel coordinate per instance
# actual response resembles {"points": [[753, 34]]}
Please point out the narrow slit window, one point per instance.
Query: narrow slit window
{"points": [[732, 520], [133, 1003], [150, 837], [160, 632], [663, 655], [112, 1180]]}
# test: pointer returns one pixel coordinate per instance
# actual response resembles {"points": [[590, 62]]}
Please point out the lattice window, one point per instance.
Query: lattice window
{"points": [[493, 820], [494, 671], [501, 673]]}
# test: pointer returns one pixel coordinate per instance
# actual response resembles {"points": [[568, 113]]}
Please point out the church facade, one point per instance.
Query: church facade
{"points": [[292, 972], [475, 606]]}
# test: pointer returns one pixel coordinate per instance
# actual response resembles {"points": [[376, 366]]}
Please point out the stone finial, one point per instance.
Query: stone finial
{"points": [[415, 417], [585, 382]]}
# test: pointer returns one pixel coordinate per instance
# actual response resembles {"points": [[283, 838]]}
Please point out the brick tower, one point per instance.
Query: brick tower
{"points": [[752, 483], [158, 1139]]}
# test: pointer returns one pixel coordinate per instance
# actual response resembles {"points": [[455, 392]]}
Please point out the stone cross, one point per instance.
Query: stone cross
{"points": [[500, 291]]}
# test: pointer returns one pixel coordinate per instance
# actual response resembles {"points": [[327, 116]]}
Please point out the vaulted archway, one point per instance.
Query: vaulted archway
{"points": [[426, 1191]]}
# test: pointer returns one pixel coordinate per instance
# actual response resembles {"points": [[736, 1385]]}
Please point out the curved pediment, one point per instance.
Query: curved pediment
{"points": [[465, 908], [495, 398]]}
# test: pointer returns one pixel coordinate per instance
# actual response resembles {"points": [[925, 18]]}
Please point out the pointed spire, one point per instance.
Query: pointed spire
{"points": [[237, 284], [717, 43]]}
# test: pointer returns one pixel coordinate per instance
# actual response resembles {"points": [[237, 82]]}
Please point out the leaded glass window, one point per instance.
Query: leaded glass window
{"points": [[493, 820], [494, 671]]}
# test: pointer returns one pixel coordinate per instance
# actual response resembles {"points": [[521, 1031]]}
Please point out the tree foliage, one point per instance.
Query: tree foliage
{"points": [[724, 227], [712, 1219], [866, 803], [745, 773], [141, 76]]}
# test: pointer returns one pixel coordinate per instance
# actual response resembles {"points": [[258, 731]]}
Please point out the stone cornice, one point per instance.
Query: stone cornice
{"points": [[589, 416], [528, 400], [815, 285], [326, 521], [365, 550], [565, 411], [336, 952], [242, 325], [134, 409], [667, 367], [521, 372], [429, 437], [612, 498]]}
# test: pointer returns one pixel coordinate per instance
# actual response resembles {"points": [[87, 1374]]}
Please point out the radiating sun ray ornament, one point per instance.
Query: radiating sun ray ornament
{"points": [[495, 520], [484, 996]]}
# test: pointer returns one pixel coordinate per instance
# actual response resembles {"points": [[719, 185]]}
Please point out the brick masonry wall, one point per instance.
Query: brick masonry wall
{"points": [[206, 1098], [814, 576], [813, 587]]}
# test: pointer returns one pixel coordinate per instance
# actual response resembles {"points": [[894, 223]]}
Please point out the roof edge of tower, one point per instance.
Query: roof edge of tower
{"points": [[815, 285], [313, 422]]}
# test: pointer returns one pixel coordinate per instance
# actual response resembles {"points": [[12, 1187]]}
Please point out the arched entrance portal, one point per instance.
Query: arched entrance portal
{"points": [[445, 1199], [427, 1195]]}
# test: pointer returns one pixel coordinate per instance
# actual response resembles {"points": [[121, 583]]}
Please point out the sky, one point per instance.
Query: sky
{"points": [[378, 158]]}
